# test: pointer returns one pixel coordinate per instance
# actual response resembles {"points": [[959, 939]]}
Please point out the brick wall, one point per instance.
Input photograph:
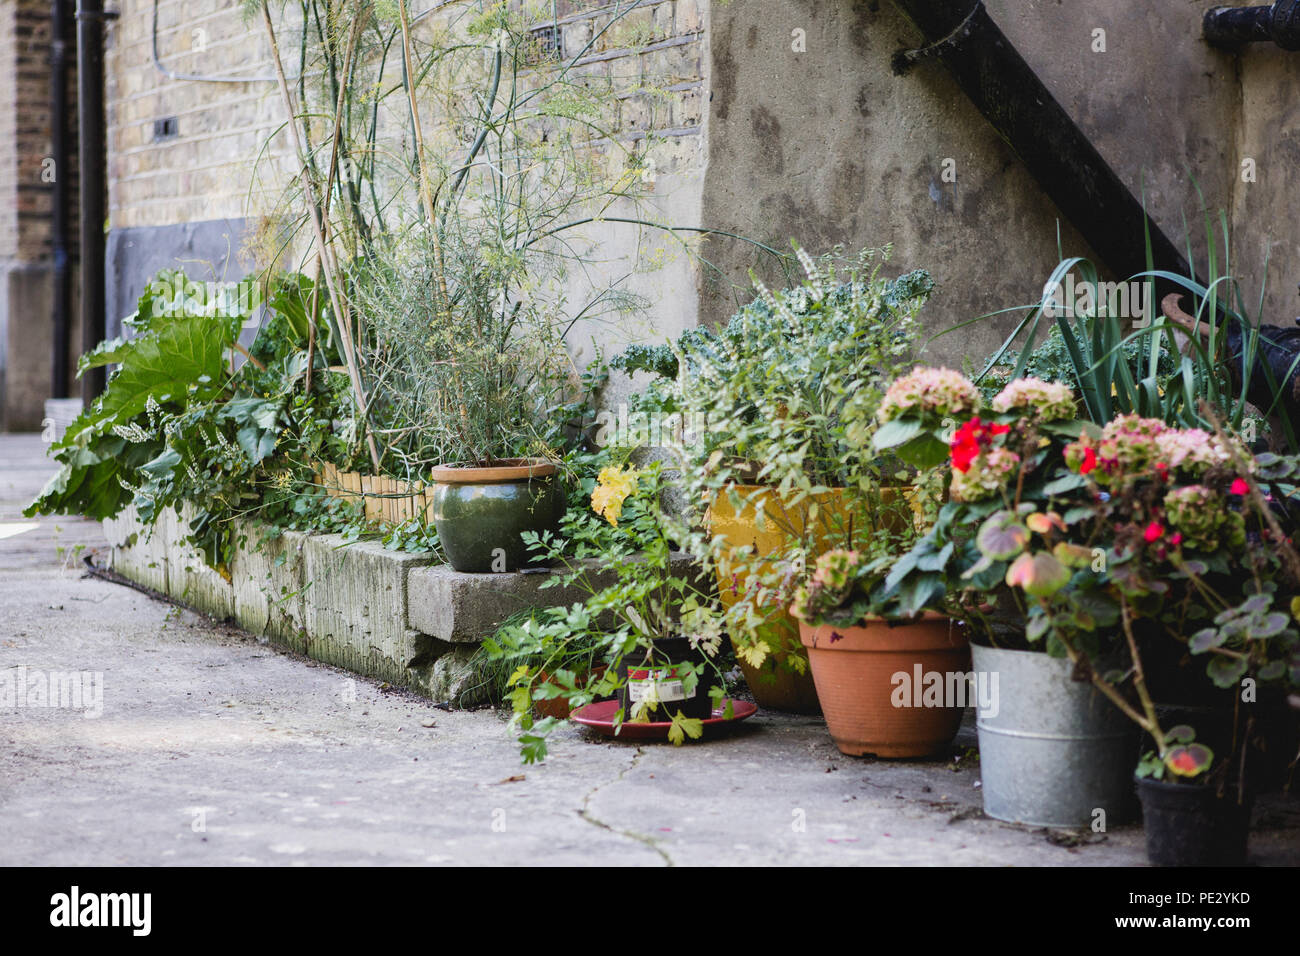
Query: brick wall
{"points": [[25, 131], [203, 168], [655, 58], [200, 166], [26, 200], [8, 130]]}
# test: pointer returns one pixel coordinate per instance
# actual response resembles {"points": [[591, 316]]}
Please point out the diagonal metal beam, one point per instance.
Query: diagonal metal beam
{"points": [[1003, 87]]}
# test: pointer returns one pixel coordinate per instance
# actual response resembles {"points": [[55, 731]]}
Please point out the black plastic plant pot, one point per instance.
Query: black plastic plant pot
{"points": [[1191, 825], [481, 513], [661, 677]]}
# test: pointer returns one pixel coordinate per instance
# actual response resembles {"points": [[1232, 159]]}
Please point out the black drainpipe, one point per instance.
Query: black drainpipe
{"points": [[59, 213], [90, 135], [995, 77], [1231, 28]]}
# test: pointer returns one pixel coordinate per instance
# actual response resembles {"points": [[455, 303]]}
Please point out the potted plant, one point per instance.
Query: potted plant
{"points": [[1098, 550], [462, 279], [650, 638], [473, 370], [890, 685], [1011, 539], [481, 511], [1188, 821], [1202, 553], [779, 407]]}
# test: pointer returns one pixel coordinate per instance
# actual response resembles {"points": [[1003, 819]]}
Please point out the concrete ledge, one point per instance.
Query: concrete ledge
{"points": [[464, 608], [468, 608], [386, 614], [354, 606], [267, 580], [189, 579], [139, 552]]}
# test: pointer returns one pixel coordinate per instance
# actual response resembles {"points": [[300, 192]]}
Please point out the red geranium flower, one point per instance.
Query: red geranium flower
{"points": [[1154, 532], [968, 441], [1089, 461], [1239, 487]]}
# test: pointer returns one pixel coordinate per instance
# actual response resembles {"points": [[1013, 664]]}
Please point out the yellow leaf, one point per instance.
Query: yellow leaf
{"points": [[684, 727], [754, 654]]}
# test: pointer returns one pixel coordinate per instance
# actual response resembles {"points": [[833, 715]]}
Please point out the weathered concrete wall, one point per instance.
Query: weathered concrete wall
{"points": [[208, 251], [828, 146], [1266, 212], [1156, 100]]}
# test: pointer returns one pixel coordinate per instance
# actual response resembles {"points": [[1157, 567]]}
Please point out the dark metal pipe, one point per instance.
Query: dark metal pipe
{"points": [[90, 134], [59, 212], [1066, 164], [1231, 28]]}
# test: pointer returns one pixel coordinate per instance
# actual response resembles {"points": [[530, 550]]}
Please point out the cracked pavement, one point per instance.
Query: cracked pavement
{"points": [[214, 748]]}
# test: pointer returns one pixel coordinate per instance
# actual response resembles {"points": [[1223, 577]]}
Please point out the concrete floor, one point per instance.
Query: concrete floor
{"points": [[213, 748]]}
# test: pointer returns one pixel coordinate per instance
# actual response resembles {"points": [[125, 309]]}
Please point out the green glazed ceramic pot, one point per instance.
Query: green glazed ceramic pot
{"points": [[480, 513]]}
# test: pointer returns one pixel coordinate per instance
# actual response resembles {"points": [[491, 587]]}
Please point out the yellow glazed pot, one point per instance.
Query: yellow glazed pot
{"points": [[784, 681]]}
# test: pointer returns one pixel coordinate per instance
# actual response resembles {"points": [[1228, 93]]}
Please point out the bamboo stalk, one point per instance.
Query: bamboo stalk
{"points": [[369, 502], [413, 501], [353, 35], [311, 327], [426, 188], [322, 247]]}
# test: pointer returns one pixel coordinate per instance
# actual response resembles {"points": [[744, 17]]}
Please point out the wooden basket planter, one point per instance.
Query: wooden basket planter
{"points": [[387, 501]]}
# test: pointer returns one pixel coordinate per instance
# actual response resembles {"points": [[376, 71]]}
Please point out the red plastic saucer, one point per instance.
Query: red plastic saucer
{"points": [[600, 718]]}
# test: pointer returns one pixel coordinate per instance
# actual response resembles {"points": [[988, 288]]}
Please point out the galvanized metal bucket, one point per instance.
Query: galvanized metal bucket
{"points": [[1053, 751]]}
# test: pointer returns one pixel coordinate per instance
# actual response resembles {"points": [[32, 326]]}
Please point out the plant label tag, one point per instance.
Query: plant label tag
{"points": [[658, 685]]}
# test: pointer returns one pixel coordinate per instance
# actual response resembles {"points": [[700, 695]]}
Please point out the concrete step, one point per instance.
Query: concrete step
{"points": [[389, 615]]}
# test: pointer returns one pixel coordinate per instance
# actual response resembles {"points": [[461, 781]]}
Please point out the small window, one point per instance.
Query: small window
{"points": [[545, 45], [164, 129]]}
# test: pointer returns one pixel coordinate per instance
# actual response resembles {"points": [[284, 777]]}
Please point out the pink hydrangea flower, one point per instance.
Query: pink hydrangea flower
{"points": [[936, 391], [1046, 401]]}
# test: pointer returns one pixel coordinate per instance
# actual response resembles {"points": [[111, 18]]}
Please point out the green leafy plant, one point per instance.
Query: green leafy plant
{"points": [[177, 358], [623, 530], [780, 407], [1179, 757], [179, 425], [1125, 364], [1050, 361]]}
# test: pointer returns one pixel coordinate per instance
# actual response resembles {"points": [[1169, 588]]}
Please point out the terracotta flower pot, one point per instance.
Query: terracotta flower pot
{"points": [[558, 707], [875, 684]]}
